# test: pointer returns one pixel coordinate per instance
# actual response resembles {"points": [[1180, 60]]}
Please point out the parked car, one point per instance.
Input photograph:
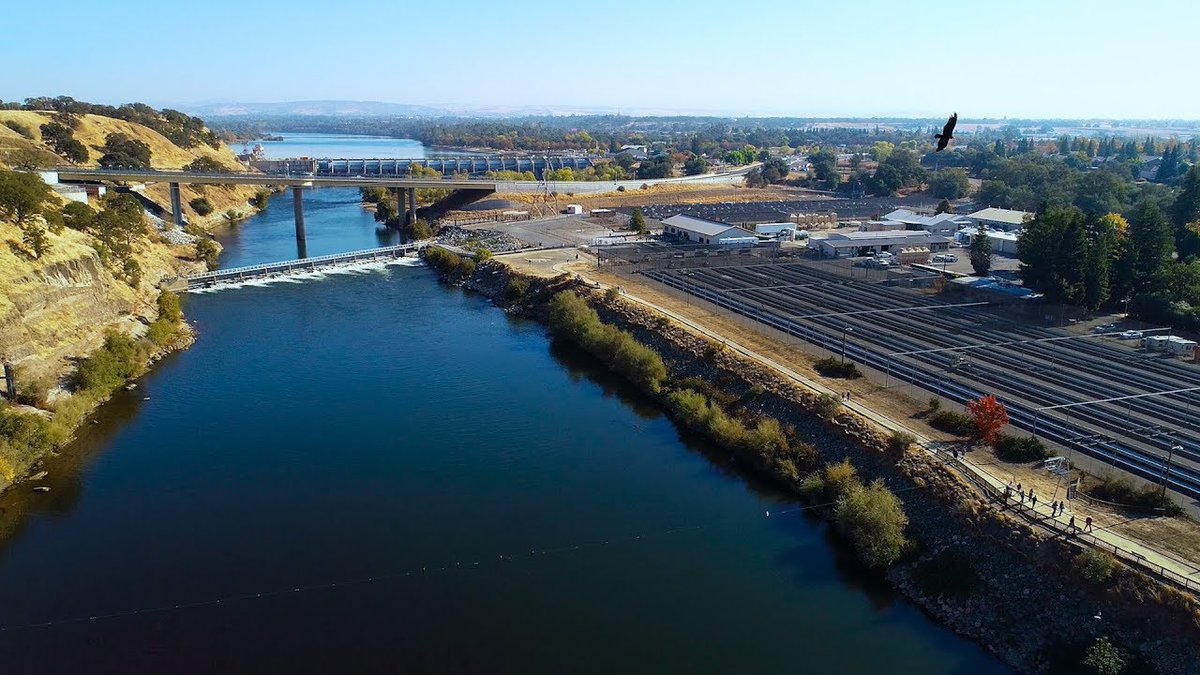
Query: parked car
{"points": [[1130, 335]]}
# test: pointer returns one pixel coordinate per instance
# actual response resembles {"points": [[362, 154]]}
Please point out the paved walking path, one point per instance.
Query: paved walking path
{"points": [[1162, 565]]}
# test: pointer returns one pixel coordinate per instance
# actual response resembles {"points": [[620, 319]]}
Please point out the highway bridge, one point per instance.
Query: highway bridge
{"points": [[404, 187]]}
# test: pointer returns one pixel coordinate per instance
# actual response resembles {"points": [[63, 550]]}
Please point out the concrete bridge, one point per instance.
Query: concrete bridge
{"points": [[405, 188], [475, 165]]}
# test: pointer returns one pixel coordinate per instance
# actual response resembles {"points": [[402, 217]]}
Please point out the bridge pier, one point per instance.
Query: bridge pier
{"points": [[176, 204], [412, 206], [298, 209]]}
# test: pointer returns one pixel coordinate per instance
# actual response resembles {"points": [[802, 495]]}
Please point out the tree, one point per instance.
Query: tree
{"points": [[659, 166], [1096, 263], [22, 196], [60, 138], [881, 150], [201, 206], [205, 164], [1186, 210], [79, 216], [1052, 252], [949, 184], [1152, 241], [981, 252], [824, 164], [123, 152], [874, 520], [1105, 658], [33, 234], [989, 416], [774, 169], [695, 166], [637, 222], [208, 251], [1122, 259], [944, 206]]}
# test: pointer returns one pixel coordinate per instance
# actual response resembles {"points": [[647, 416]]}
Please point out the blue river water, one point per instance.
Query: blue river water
{"points": [[371, 472]]}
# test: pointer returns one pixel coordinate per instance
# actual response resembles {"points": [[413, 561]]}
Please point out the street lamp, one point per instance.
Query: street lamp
{"points": [[845, 329], [1167, 470]]}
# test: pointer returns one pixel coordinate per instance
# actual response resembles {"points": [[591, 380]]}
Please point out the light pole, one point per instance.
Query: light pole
{"points": [[1167, 470], [845, 329]]}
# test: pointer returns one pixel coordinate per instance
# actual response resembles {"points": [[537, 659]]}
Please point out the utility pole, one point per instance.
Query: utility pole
{"points": [[845, 329], [1167, 469]]}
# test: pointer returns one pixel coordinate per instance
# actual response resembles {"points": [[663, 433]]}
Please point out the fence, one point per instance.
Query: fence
{"points": [[975, 475]]}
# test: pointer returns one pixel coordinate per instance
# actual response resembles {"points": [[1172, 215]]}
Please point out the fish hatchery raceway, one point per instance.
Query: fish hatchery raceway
{"points": [[1030, 602]]}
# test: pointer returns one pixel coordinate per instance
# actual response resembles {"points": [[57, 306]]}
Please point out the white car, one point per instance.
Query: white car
{"points": [[945, 258], [1130, 335]]}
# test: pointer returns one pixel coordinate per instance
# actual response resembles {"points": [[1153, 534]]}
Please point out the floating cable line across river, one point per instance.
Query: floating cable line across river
{"points": [[410, 572]]}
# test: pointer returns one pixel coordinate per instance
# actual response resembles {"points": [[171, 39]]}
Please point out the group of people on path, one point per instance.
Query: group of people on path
{"points": [[1057, 508]]}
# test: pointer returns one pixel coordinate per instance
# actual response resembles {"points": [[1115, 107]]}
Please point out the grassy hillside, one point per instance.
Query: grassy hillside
{"points": [[63, 300], [92, 130]]}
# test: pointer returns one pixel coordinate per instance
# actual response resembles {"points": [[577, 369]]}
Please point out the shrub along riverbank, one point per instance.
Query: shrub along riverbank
{"points": [[870, 516], [27, 435]]}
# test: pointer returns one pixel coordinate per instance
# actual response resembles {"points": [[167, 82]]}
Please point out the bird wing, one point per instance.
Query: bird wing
{"points": [[948, 130]]}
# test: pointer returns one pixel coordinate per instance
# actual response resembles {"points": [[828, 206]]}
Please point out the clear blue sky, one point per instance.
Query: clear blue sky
{"points": [[1045, 58]]}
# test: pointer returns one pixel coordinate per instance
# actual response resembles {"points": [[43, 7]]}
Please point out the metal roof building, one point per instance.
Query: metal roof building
{"points": [[700, 230], [841, 244], [1006, 220]]}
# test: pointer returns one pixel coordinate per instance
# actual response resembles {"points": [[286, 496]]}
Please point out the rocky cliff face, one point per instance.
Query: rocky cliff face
{"points": [[56, 309]]}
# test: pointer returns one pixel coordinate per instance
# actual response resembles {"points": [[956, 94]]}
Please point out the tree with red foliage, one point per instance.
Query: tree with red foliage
{"points": [[989, 416]]}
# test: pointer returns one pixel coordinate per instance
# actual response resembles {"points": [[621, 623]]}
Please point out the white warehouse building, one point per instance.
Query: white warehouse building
{"points": [[701, 230], [1003, 220], [843, 244]]}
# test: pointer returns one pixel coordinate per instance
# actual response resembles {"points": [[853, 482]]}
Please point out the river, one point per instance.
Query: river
{"points": [[374, 473]]}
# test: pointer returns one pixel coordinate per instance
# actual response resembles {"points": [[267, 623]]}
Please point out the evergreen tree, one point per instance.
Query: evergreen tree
{"points": [[944, 206], [981, 252], [1152, 242], [1187, 203], [1096, 264], [1168, 166]]}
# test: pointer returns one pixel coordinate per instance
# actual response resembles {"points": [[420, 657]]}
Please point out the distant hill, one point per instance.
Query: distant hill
{"points": [[359, 108]]}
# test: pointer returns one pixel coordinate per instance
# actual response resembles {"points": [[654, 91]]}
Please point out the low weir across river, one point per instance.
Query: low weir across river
{"points": [[276, 269]]}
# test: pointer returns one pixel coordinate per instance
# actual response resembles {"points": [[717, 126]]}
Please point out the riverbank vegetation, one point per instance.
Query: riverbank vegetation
{"points": [[572, 319], [28, 433], [870, 516]]}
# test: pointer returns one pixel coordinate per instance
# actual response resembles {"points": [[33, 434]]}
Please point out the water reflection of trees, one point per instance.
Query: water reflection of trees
{"points": [[581, 365], [19, 505]]}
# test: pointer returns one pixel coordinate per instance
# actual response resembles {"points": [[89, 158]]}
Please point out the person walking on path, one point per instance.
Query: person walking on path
{"points": [[1033, 498], [1072, 523], [1088, 524]]}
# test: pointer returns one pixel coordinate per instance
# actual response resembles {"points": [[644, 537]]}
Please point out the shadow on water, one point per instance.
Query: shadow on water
{"points": [[20, 505], [581, 365]]}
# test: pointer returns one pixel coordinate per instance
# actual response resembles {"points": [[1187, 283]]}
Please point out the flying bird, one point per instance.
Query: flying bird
{"points": [[947, 133]]}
